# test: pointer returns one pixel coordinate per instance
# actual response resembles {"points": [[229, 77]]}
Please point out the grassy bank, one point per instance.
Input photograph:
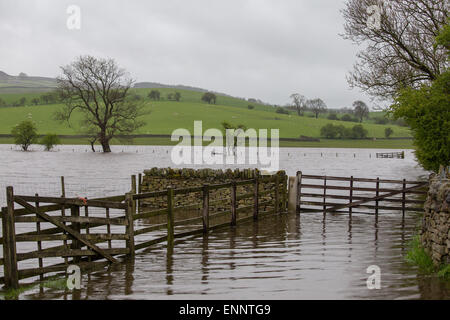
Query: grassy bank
{"points": [[325, 143], [417, 256]]}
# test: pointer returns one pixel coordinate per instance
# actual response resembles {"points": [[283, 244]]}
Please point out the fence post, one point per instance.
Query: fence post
{"points": [[256, 199], [39, 243], [170, 217], [403, 199], [139, 188], [233, 203], [377, 194], [129, 211], [299, 192], [9, 242], [324, 195], [277, 193], [75, 212], [133, 191], [205, 208], [350, 209]]}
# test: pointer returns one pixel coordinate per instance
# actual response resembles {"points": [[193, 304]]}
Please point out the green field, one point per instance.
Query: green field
{"points": [[166, 116]]}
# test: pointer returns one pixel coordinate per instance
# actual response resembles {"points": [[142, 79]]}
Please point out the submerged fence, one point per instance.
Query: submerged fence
{"points": [[325, 194], [93, 233]]}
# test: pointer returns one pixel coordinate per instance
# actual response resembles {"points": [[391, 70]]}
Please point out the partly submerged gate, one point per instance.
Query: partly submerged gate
{"points": [[350, 195]]}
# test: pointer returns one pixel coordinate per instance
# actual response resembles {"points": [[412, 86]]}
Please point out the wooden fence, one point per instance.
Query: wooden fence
{"points": [[349, 194], [399, 155], [93, 233]]}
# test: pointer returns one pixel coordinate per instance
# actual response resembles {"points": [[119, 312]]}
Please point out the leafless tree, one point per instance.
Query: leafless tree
{"points": [[299, 103], [361, 109], [99, 89], [399, 50], [317, 106]]}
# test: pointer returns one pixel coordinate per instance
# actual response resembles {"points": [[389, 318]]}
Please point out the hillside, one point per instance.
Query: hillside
{"points": [[24, 83], [167, 116]]}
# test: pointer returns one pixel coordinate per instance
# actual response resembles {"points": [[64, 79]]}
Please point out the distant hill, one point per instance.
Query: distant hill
{"points": [[156, 85], [25, 83]]}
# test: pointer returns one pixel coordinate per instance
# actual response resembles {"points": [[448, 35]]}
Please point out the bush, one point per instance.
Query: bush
{"points": [[331, 131], [347, 117], [332, 116], [25, 134], [381, 120], [49, 141], [250, 107], [426, 111], [358, 132], [388, 132], [281, 110]]}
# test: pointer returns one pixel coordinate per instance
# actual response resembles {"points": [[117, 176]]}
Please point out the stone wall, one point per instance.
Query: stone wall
{"points": [[157, 179], [435, 233]]}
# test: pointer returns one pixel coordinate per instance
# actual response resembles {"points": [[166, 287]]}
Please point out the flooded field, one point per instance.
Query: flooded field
{"points": [[278, 257]]}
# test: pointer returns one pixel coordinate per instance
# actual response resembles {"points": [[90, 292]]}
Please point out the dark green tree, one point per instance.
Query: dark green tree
{"points": [[25, 134]]}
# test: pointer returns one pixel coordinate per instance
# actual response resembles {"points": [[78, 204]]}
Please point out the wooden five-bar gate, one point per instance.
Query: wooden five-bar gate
{"points": [[91, 233], [315, 193]]}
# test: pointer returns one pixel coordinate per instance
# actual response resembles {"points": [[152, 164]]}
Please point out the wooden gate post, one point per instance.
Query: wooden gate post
{"points": [[403, 199], [351, 196], [9, 242], [170, 217], [256, 199], [324, 195], [377, 194], [233, 203], [205, 208], [133, 191], [299, 192], [129, 211], [75, 212]]}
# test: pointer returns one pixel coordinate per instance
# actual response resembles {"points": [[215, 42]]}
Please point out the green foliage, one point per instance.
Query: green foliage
{"points": [[49, 141], [25, 134], [388, 132], [349, 118], [417, 255], [209, 97], [281, 110], [358, 132], [426, 111], [250, 107], [332, 116], [331, 131], [154, 95]]}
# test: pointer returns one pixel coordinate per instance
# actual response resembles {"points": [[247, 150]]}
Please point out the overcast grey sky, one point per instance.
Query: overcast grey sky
{"points": [[264, 49]]}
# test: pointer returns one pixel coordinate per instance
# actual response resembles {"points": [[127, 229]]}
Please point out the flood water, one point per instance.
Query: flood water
{"points": [[278, 257]]}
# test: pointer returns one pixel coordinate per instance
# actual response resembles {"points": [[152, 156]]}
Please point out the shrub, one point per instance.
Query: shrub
{"points": [[332, 116], [347, 117], [381, 120], [49, 141], [250, 107], [281, 110], [388, 132], [358, 132], [25, 134], [426, 111]]}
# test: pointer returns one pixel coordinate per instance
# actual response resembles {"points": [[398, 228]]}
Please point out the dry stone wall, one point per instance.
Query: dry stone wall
{"points": [[435, 233], [157, 179]]}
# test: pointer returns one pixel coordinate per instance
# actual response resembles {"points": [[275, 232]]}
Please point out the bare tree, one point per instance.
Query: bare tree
{"points": [[317, 106], [99, 89], [361, 110], [399, 50], [299, 103]]}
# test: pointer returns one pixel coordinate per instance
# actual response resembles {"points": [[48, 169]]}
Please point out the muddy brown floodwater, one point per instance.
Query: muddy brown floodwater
{"points": [[278, 257]]}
